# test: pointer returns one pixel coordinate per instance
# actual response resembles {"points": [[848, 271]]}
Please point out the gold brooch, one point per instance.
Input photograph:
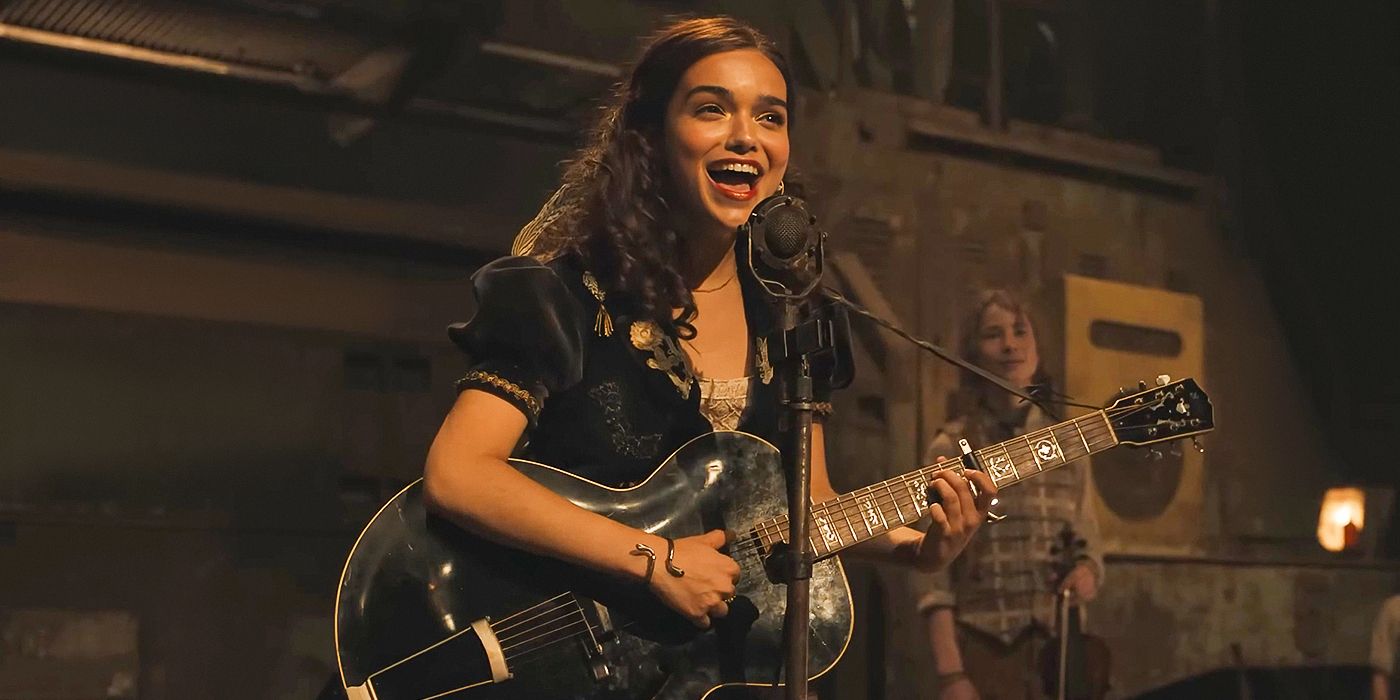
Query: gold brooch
{"points": [[765, 369], [645, 335], [666, 356]]}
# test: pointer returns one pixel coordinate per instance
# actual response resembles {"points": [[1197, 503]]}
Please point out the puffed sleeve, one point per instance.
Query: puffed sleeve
{"points": [[526, 340]]}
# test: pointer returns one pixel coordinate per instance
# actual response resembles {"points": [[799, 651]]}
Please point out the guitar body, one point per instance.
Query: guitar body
{"points": [[426, 609]]}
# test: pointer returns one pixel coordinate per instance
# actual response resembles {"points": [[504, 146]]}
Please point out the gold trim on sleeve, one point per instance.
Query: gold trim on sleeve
{"points": [[505, 385]]}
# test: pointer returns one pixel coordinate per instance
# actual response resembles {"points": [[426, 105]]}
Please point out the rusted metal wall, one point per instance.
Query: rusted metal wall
{"points": [[956, 223]]}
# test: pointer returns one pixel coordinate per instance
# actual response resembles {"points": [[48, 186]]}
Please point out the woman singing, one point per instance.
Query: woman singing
{"points": [[630, 328]]}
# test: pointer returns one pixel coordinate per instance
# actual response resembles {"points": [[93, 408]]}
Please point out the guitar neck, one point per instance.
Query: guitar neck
{"points": [[869, 512]]}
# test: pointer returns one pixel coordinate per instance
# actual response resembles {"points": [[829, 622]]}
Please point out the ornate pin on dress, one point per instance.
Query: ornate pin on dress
{"points": [[666, 356], [602, 322], [761, 363]]}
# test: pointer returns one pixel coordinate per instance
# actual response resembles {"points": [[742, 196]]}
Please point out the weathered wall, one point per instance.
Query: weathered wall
{"points": [[191, 432], [191, 441], [956, 223]]}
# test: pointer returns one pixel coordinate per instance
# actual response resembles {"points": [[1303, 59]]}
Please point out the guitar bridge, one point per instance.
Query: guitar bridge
{"points": [[600, 629]]}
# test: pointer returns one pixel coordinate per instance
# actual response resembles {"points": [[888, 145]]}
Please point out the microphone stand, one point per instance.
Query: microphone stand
{"points": [[794, 347], [798, 396], [797, 267]]}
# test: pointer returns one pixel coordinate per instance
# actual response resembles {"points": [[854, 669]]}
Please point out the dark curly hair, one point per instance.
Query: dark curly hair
{"points": [[611, 209]]}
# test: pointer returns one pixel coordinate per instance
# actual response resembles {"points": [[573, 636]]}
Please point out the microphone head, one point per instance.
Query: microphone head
{"points": [[785, 245], [786, 231], [782, 230]]}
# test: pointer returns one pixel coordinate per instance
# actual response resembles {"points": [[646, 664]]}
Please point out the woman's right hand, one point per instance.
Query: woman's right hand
{"points": [[706, 588]]}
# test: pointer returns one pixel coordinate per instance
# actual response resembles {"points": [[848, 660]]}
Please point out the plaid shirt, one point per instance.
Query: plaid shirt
{"points": [[1004, 582]]}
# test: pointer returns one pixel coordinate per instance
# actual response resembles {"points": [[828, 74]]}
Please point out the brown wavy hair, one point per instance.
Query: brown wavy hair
{"points": [[973, 397], [611, 208]]}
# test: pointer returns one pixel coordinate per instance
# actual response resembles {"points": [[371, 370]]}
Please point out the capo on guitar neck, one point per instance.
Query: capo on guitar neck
{"points": [[971, 461]]}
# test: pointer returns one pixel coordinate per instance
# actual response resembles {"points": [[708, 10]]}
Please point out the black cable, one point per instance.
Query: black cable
{"points": [[837, 297]]}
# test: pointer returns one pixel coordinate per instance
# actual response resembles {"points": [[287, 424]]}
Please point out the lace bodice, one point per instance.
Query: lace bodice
{"points": [[722, 401]]}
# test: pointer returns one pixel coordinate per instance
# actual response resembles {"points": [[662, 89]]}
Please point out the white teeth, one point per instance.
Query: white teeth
{"points": [[739, 168]]}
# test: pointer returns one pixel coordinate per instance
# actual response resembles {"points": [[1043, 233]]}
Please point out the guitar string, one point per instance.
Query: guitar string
{"points": [[848, 504], [773, 530], [512, 616], [571, 620], [753, 545], [503, 637], [543, 641], [515, 653], [1097, 431]]}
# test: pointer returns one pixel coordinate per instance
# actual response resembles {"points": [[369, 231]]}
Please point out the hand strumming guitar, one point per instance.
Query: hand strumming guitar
{"points": [[708, 585]]}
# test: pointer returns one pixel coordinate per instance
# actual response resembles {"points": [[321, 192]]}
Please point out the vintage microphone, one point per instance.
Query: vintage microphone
{"points": [[785, 255], [785, 247]]}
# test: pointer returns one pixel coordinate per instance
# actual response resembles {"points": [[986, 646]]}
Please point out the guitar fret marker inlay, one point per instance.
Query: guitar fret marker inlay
{"points": [[873, 518], [1045, 451], [999, 467], [918, 493], [829, 533]]}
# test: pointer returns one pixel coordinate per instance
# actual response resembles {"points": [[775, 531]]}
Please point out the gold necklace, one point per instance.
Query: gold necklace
{"points": [[720, 286]]}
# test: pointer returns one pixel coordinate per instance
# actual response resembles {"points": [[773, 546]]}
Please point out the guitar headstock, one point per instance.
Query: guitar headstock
{"points": [[1168, 411]]}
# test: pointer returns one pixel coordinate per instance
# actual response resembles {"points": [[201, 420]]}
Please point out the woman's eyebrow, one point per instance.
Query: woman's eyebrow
{"points": [[727, 94], [717, 90]]}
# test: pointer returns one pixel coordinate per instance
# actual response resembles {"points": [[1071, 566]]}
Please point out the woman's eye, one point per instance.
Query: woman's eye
{"points": [[709, 109], [774, 118]]}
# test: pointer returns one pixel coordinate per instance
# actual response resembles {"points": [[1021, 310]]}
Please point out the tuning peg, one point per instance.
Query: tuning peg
{"points": [[1142, 385], [1197, 442], [1163, 380], [1156, 454], [1176, 450]]}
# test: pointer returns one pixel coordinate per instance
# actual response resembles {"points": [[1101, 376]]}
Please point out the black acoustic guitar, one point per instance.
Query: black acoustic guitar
{"points": [[426, 610]]}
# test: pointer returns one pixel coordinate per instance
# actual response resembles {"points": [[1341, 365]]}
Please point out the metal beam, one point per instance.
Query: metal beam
{"points": [[549, 58], [48, 173], [39, 37]]}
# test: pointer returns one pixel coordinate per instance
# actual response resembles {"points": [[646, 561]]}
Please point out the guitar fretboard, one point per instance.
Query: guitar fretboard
{"points": [[872, 511]]}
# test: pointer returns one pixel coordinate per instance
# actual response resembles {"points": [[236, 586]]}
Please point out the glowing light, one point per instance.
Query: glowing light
{"points": [[1341, 519]]}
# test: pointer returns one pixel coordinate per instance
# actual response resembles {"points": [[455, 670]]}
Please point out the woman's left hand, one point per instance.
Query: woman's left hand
{"points": [[956, 517], [1082, 583]]}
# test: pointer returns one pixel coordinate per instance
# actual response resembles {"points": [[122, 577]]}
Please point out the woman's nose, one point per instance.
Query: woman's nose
{"points": [[741, 139]]}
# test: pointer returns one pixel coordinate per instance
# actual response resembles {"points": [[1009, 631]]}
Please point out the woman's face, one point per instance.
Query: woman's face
{"points": [[1006, 345], [727, 137]]}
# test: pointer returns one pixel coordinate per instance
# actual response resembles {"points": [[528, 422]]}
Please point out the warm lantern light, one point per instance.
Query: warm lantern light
{"points": [[1341, 519]]}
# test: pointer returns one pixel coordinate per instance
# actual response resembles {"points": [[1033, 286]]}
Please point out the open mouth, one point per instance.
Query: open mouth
{"points": [[734, 180]]}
